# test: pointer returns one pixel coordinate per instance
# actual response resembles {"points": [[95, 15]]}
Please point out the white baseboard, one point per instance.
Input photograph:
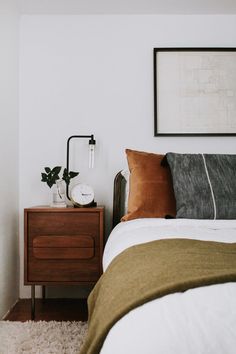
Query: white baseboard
{"points": [[9, 310]]}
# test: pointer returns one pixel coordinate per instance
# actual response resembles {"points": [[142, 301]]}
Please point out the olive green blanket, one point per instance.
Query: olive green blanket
{"points": [[151, 270]]}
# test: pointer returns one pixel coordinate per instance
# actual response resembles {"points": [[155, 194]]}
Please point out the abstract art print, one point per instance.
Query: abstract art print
{"points": [[194, 91]]}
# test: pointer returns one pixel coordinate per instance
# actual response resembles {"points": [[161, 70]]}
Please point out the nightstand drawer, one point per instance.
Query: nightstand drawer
{"points": [[63, 270], [53, 223]]}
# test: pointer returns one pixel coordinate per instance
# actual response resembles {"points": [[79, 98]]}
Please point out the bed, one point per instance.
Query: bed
{"points": [[192, 319]]}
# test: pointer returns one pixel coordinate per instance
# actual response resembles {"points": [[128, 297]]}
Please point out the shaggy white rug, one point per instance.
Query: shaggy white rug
{"points": [[41, 337]]}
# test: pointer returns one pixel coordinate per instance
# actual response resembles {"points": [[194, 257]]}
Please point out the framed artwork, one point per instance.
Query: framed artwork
{"points": [[194, 91]]}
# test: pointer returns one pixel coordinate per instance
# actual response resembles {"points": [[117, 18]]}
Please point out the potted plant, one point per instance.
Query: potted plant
{"points": [[52, 178]]}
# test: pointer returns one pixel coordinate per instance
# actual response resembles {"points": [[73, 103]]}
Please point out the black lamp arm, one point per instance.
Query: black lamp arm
{"points": [[91, 141]]}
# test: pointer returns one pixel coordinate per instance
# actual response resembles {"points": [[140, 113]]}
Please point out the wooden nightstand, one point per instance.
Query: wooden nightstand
{"points": [[62, 246]]}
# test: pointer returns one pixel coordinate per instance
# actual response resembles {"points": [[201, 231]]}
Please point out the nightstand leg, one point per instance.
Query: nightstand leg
{"points": [[44, 292], [32, 302]]}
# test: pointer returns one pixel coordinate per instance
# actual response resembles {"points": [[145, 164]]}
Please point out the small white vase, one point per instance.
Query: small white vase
{"points": [[58, 194]]}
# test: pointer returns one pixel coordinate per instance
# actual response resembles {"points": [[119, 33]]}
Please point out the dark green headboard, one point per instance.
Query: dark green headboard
{"points": [[118, 198]]}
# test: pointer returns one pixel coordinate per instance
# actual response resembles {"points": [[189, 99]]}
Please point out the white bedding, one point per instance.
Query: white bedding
{"points": [[198, 321]]}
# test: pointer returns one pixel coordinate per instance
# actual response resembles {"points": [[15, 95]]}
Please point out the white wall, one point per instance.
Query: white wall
{"points": [[9, 264], [93, 74]]}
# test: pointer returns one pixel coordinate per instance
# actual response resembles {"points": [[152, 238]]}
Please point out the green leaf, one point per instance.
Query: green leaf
{"points": [[44, 177], [65, 172], [68, 176], [73, 174], [51, 176], [56, 170], [50, 184]]}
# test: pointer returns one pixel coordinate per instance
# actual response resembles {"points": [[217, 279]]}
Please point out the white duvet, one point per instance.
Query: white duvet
{"points": [[198, 321]]}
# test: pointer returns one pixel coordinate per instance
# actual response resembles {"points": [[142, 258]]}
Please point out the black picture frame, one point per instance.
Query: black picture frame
{"points": [[213, 56]]}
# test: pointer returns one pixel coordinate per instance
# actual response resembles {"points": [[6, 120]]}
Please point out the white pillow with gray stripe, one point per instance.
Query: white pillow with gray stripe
{"points": [[204, 185]]}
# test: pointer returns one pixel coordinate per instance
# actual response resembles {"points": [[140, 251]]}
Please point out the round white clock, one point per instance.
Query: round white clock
{"points": [[82, 194]]}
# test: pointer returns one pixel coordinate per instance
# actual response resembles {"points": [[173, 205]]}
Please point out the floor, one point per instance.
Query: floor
{"points": [[50, 310]]}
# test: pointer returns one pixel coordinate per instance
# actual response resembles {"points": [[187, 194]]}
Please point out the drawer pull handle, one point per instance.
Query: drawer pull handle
{"points": [[63, 253], [83, 241]]}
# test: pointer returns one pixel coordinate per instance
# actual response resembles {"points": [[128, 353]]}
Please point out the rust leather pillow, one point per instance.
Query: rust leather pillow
{"points": [[151, 192]]}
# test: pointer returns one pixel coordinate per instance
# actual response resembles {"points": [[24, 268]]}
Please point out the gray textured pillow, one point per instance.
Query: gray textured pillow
{"points": [[204, 185]]}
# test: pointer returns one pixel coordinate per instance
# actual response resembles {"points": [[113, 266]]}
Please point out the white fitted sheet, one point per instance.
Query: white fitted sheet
{"points": [[198, 321]]}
